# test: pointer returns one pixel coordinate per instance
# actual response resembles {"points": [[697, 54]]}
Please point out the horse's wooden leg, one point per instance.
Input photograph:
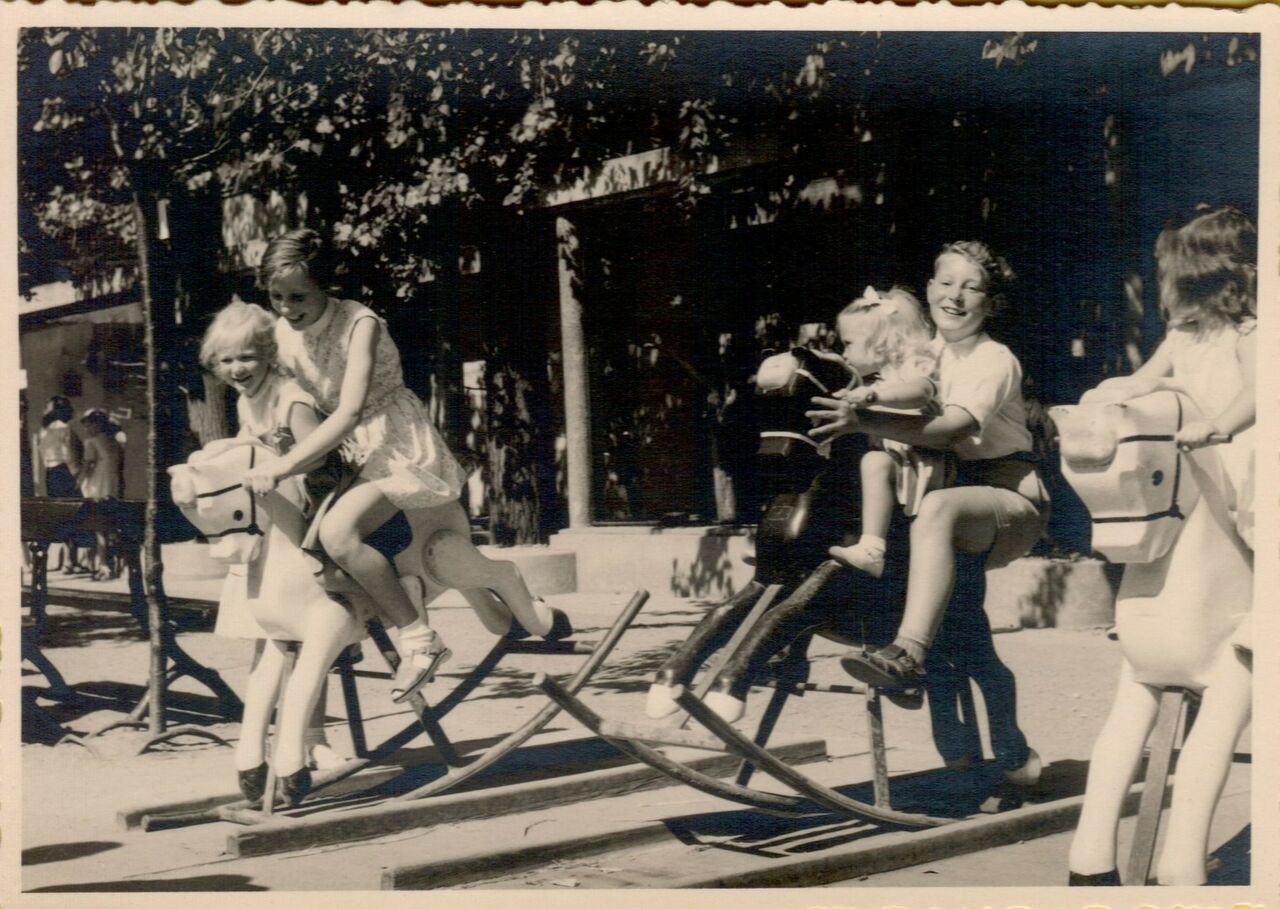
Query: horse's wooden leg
{"points": [[1112, 766], [259, 702], [329, 629], [1202, 770], [453, 560]]}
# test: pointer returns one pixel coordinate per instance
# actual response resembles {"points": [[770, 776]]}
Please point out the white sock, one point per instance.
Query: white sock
{"points": [[415, 637], [872, 545]]}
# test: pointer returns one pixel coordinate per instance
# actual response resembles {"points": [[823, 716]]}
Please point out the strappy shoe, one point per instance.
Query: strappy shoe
{"points": [[418, 667], [888, 667]]}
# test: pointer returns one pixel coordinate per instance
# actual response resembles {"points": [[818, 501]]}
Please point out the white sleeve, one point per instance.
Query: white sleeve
{"points": [[991, 377]]}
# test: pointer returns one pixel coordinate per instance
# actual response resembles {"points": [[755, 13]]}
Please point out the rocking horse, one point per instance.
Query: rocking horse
{"points": [[764, 631], [1187, 586], [291, 603]]}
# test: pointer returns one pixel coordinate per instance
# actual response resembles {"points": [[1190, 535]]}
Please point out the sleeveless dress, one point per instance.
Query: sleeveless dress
{"points": [[395, 445], [265, 416], [1208, 367]]}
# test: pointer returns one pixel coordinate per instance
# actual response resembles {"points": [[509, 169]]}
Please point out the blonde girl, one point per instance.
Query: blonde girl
{"points": [[886, 342], [239, 348]]}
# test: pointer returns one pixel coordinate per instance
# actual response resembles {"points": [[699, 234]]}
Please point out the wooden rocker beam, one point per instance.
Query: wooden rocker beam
{"points": [[781, 805], [800, 782]]}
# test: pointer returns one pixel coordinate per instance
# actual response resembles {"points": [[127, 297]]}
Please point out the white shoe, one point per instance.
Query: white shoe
{"points": [[661, 701], [725, 706], [859, 557], [325, 758], [1028, 774]]}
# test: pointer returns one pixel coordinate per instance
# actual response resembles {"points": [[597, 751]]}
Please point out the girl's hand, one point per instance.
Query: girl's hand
{"points": [[836, 418], [264, 479], [1197, 435]]}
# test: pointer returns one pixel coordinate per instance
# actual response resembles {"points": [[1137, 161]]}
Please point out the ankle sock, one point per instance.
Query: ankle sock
{"points": [[415, 637], [913, 648]]}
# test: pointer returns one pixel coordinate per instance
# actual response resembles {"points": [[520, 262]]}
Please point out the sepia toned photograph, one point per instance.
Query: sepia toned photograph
{"points": [[556, 459]]}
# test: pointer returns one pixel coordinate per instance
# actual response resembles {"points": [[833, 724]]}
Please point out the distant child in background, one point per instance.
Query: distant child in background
{"points": [[102, 478], [239, 348], [887, 343], [61, 453], [1208, 281]]}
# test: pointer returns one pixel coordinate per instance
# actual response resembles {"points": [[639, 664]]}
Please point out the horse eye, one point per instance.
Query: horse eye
{"points": [[1157, 478], [237, 515]]}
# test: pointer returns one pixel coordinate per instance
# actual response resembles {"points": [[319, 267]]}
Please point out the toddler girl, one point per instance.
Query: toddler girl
{"points": [[887, 343], [239, 348], [340, 352], [997, 507]]}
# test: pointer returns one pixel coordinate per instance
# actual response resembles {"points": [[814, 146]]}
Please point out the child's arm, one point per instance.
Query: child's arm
{"points": [[335, 427], [1238, 415], [1154, 375], [903, 394], [840, 418]]}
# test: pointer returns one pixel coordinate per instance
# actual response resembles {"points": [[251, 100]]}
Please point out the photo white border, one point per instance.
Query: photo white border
{"points": [[836, 15]]}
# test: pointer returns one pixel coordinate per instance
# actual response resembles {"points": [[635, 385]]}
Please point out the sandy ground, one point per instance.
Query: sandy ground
{"points": [[71, 840]]}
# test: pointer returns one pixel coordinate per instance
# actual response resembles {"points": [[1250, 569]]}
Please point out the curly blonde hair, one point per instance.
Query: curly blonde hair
{"points": [[1210, 263], [893, 326], [237, 325]]}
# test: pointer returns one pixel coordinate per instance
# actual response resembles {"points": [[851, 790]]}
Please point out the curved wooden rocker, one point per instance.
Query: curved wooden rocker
{"points": [[784, 773], [626, 739], [461, 769]]}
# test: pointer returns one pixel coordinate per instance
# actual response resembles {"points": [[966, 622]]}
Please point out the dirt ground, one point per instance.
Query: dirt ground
{"points": [[71, 840]]}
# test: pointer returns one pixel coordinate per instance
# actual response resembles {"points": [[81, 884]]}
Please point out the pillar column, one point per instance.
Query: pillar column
{"points": [[577, 415]]}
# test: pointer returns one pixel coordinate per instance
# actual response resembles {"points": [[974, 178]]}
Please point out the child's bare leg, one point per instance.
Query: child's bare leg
{"points": [[950, 521], [879, 476], [361, 510]]}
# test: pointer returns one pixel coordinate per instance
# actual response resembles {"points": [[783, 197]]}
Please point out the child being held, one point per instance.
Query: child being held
{"points": [[887, 343]]}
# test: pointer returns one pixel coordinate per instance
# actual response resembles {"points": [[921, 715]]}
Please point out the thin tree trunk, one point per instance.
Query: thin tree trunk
{"points": [[152, 566]]}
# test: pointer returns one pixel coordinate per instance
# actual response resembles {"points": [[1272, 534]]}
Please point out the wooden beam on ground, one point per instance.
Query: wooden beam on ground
{"points": [[396, 817]]}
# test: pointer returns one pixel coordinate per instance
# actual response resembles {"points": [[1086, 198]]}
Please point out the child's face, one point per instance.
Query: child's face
{"points": [[242, 367], [298, 299], [958, 300], [857, 353]]}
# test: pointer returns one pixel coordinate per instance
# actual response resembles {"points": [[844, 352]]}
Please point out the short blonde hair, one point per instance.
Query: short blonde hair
{"points": [[238, 324], [893, 324]]}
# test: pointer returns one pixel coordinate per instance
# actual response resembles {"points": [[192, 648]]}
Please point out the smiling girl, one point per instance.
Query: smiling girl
{"points": [[997, 507], [341, 354]]}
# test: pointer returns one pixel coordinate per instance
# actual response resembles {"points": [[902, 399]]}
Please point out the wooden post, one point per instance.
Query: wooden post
{"points": [[577, 415]]}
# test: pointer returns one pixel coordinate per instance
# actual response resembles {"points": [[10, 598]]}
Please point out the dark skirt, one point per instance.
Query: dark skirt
{"points": [[60, 482]]}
